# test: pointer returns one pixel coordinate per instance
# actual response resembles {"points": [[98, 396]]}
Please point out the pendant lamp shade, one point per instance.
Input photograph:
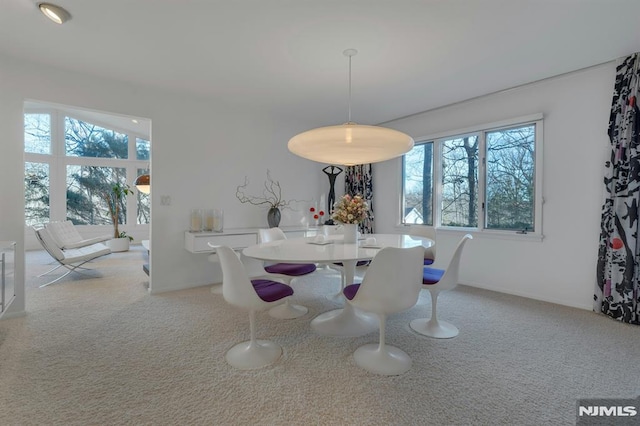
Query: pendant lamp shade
{"points": [[143, 184], [350, 143]]}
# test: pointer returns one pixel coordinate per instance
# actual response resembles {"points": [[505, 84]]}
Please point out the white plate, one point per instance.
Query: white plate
{"points": [[320, 243]]}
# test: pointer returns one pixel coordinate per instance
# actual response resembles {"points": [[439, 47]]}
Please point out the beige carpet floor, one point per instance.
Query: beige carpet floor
{"points": [[101, 351]]}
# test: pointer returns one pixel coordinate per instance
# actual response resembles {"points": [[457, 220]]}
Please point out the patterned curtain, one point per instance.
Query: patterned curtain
{"points": [[359, 180], [617, 291]]}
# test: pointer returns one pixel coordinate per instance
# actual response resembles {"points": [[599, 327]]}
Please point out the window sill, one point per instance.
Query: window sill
{"points": [[500, 235]]}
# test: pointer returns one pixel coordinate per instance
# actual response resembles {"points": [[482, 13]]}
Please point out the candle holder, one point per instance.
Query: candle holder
{"points": [[209, 220], [218, 220], [196, 220]]}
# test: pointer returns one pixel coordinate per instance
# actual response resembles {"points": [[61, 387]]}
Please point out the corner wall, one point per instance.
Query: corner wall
{"points": [[201, 151], [560, 268]]}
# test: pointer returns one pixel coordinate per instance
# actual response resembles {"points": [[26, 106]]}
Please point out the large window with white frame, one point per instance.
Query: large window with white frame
{"points": [[71, 163], [487, 179]]}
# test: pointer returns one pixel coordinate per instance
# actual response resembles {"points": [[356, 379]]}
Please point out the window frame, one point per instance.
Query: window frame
{"points": [[537, 120], [58, 161]]}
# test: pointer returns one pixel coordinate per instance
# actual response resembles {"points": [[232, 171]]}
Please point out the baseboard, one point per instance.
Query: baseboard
{"points": [[526, 295], [9, 315], [178, 288]]}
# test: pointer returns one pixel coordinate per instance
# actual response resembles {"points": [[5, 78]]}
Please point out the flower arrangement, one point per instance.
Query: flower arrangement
{"points": [[316, 214], [350, 209]]}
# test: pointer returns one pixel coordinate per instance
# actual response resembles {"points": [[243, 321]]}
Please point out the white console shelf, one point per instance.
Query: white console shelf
{"points": [[236, 238]]}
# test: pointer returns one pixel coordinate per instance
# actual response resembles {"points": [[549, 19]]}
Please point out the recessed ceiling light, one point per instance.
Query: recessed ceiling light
{"points": [[55, 13], [133, 120]]}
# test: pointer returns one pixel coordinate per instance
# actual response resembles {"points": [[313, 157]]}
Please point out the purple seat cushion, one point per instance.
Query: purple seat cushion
{"points": [[293, 269], [431, 275], [350, 291], [428, 262], [270, 291]]}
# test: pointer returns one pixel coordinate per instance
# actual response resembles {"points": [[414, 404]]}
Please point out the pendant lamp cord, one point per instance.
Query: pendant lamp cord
{"points": [[349, 120], [350, 53]]}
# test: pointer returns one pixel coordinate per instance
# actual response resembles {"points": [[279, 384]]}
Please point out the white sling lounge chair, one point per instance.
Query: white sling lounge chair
{"points": [[67, 236], [72, 258]]}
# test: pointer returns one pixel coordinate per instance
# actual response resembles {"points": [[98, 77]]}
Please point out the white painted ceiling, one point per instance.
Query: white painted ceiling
{"points": [[285, 56]]}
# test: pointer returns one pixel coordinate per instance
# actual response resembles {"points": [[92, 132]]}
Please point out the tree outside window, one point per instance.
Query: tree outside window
{"points": [[510, 178], [78, 170], [417, 202], [459, 205], [87, 187], [83, 139], [37, 133], [505, 158], [36, 193]]}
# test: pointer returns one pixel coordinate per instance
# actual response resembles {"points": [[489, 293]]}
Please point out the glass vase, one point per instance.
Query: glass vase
{"points": [[195, 224], [218, 220], [209, 220]]}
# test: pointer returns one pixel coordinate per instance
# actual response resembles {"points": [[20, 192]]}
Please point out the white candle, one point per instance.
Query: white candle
{"points": [[196, 220]]}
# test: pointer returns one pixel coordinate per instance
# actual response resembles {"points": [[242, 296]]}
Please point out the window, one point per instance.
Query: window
{"points": [[86, 186], [143, 149], [459, 200], [418, 185], [37, 133], [510, 178], [68, 171], [485, 179], [36, 193], [83, 139]]}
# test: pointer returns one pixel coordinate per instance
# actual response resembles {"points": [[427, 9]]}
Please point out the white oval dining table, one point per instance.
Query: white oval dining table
{"points": [[346, 321]]}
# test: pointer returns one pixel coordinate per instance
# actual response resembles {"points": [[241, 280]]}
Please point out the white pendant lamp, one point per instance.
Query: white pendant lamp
{"points": [[350, 143]]}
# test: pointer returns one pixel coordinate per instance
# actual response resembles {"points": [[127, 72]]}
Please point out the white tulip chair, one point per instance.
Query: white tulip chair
{"points": [[252, 295], [391, 284], [437, 280], [286, 272]]}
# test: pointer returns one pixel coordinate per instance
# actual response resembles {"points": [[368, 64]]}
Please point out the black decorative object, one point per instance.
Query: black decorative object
{"points": [[330, 171], [273, 217]]}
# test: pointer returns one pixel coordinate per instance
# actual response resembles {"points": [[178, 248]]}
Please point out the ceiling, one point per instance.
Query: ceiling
{"points": [[285, 56]]}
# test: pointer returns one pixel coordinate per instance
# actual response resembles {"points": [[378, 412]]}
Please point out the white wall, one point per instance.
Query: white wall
{"points": [[200, 152], [561, 267]]}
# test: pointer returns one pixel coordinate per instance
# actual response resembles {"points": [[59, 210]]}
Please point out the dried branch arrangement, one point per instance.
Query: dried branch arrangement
{"points": [[271, 194]]}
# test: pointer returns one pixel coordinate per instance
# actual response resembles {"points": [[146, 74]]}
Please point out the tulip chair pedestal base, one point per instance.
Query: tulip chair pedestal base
{"points": [[436, 329], [288, 311], [253, 354], [388, 360], [338, 297], [335, 297], [345, 322]]}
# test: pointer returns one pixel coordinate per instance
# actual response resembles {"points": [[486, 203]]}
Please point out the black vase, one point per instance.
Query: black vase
{"points": [[273, 217]]}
